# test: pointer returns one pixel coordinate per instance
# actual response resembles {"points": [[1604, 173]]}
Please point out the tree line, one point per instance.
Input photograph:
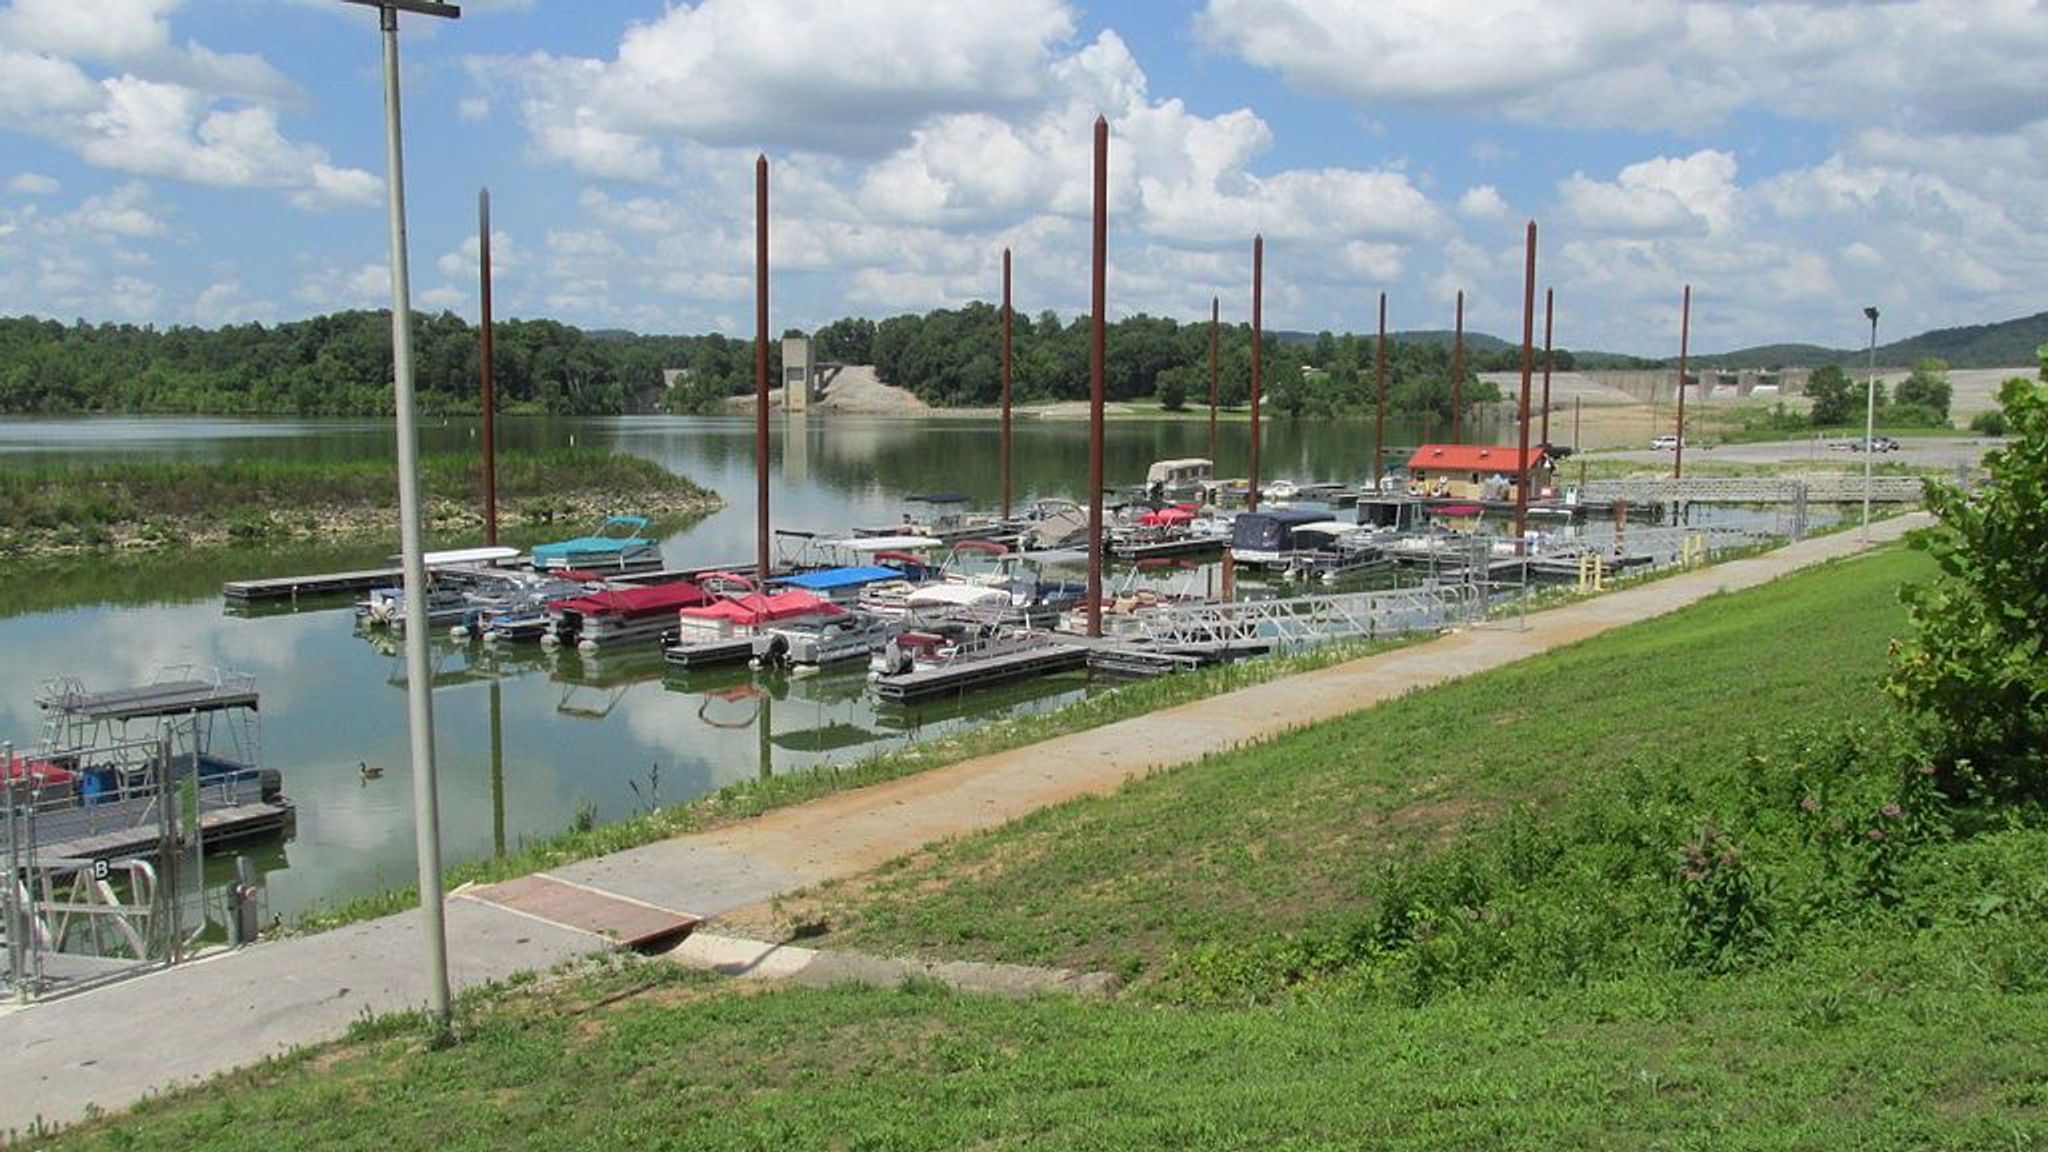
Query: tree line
{"points": [[952, 358], [341, 365]]}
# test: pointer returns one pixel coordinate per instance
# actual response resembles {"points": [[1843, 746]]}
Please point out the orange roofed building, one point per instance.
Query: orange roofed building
{"points": [[1479, 471]]}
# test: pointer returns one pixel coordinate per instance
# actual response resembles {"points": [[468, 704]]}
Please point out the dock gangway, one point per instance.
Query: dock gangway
{"points": [[1296, 622]]}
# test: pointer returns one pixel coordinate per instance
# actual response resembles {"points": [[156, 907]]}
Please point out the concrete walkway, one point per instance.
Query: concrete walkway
{"points": [[112, 1046]]}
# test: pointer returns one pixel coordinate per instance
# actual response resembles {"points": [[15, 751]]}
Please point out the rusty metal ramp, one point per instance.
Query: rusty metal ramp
{"points": [[626, 922]]}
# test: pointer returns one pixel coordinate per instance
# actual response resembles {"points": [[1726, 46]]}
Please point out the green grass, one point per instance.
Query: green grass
{"points": [[97, 496], [1281, 836], [748, 798], [648, 1056]]}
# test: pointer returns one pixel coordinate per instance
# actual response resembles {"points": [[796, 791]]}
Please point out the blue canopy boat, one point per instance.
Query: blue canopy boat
{"points": [[620, 545]]}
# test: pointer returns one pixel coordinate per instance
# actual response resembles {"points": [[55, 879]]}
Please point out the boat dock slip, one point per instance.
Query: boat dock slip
{"points": [[317, 584], [1037, 660], [111, 829], [362, 580]]}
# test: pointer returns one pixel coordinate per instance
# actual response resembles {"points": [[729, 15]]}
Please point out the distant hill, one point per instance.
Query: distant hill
{"points": [[2001, 345]]}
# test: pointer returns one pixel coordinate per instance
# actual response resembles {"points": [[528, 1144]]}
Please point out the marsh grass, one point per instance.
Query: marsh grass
{"points": [[84, 497]]}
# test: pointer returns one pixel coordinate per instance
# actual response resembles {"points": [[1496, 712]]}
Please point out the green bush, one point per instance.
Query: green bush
{"points": [[1977, 670], [1991, 423]]}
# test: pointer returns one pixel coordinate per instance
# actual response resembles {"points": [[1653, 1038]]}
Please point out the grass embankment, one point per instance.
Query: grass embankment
{"points": [[1493, 925], [62, 508], [748, 798]]}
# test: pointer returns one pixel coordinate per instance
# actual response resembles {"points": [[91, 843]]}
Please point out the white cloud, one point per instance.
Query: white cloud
{"points": [[135, 36], [1657, 64], [1658, 197], [473, 108], [124, 212], [463, 263], [32, 184], [851, 78], [1483, 202], [226, 302], [332, 287], [184, 112]]}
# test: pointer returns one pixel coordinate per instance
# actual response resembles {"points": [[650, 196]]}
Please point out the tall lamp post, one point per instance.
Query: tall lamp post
{"points": [[1869, 419], [418, 668]]}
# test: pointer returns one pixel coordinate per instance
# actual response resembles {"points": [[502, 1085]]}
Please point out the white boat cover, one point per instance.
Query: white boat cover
{"points": [[956, 596]]}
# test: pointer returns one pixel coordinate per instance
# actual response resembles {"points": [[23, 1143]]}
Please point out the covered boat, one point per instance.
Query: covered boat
{"points": [[620, 545], [620, 614], [723, 631]]}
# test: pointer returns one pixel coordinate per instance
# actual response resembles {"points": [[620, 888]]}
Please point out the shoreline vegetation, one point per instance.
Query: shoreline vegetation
{"points": [[61, 509]]}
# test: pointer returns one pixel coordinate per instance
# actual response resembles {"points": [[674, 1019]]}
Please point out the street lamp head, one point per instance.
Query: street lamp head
{"points": [[1870, 314], [422, 7]]}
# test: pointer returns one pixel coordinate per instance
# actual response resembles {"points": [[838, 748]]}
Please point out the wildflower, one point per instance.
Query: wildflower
{"points": [[1890, 811], [1810, 805], [1928, 769], [1875, 833]]}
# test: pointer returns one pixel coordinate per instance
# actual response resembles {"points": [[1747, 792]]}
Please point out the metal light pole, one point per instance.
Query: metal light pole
{"points": [[418, 667], [1869, 419]]}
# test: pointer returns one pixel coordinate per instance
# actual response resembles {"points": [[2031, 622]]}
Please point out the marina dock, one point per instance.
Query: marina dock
{"points": [[112, 829], [964, 675], [317, 584]]}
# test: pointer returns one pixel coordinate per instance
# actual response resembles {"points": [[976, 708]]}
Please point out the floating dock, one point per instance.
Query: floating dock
{"points": [[112, 829], [317, 584], [982, 671]]}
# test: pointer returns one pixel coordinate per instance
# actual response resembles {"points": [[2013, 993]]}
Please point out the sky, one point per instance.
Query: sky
{"points": [[222, 161]]}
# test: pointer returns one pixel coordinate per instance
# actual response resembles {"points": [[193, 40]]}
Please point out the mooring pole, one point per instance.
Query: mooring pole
{"points": [[1099, 301], [484, 366], [1379, 420], [1458, 374], [1549, 302], [1258, 358], [1006, 384], [1215, 323], [418, 658], [1528, 367], [1684, 336], [761, 368]]}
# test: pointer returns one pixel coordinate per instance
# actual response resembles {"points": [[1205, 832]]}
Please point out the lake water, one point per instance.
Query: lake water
{"points": [[526, 738]]}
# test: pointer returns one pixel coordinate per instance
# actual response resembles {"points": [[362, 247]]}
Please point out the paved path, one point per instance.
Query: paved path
{"points": [[112, 1046]]}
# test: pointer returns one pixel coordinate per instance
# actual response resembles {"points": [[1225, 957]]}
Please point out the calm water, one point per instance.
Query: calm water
{"points": [[528, 738]]}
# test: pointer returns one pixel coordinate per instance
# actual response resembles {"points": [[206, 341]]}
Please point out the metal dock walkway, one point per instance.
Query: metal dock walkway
{"points": [[979, 671]]}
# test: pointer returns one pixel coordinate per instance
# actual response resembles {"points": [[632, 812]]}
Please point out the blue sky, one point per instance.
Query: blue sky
{"points": [[222, 160]]}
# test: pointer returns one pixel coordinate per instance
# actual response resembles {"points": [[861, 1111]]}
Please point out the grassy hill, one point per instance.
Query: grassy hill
{"points": [[1999, 345]]}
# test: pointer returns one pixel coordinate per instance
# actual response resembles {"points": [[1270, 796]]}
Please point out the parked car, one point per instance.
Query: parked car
{"points": [[1875, 444], [1666, 442]]}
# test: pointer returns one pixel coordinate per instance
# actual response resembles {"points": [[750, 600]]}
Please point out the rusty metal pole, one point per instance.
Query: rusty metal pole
{"points": [[1528, 368], [1458, 374], [1099, 301], [1006, 384], [1379, 420], [1215, 320], [761, 368], [484, 366], [1549, 303], [1258, 358], [1684, 335]]}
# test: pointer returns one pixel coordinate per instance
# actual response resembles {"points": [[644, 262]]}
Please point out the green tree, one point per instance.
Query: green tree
{"points": [[1927, 386], [1829, 389], [1175, 385], [1977, 667]]}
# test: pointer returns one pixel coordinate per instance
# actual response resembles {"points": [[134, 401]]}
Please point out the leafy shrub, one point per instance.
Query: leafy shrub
{"points": [[1977, 669], [1990, 423]]}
